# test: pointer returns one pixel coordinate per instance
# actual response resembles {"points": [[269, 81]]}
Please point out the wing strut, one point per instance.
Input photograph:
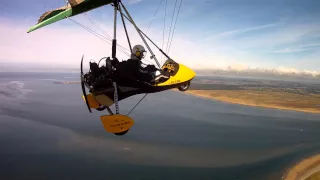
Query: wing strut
{"points": [[114, 45], [131, 21], [139, 32], [125, 28], [114, 41]]}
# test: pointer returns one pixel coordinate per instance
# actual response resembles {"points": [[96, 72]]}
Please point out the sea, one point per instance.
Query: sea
{"points": [[47, 132]]}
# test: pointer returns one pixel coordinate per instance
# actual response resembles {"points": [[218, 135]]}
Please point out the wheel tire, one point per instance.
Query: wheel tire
{"points": [[184, 87], [121, 133], [101, 108]]}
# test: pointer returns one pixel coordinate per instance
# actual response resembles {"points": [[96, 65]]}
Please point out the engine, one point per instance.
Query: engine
{"points": [[98, 77]]}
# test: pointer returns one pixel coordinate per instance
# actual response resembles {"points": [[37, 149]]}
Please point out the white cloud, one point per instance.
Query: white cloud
{"points": [[63, 45], [58, 44], [240, 68], [291, 50], [240, 31], [299, 48], [134, 1]]}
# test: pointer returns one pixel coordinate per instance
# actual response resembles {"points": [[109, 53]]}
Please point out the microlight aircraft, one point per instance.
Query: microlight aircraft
{"points": [[105, 87]]}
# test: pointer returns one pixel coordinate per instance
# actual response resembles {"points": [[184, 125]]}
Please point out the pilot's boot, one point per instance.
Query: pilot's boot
{"points": [[161, 78]]}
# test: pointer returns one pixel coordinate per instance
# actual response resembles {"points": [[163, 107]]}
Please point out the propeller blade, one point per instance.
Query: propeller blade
{"points": [[83, 87]]}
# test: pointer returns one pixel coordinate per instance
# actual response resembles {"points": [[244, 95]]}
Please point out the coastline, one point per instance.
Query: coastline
{"points": [[265, 99], [304, 169], [228, 96]]}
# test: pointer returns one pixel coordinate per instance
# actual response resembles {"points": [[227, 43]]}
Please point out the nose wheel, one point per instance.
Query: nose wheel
{"points": [[184, 87]]}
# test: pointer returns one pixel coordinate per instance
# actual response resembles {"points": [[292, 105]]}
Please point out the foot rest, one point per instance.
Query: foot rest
{"points": [[116, 123]]}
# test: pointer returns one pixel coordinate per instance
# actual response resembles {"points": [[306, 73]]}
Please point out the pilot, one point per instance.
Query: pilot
{"points": [[133, 66]]}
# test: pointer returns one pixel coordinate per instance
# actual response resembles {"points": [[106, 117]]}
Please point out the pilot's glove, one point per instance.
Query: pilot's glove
{"points": [[151, 68]]}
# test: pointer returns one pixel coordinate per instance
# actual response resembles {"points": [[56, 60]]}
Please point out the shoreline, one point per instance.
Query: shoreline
{"points": [[304, 168], [226, 99]]}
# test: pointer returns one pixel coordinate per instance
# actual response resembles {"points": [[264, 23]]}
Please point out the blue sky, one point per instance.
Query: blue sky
{"points": [[209, 33]]}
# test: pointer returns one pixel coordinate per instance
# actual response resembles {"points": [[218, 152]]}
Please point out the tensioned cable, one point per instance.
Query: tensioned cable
{"points": [[154, 16], [164, 26], [174, 26], [93, 22], [137, 104], [174, 10], [103, 38], [66, 2], [145, 59], [103, 31]]}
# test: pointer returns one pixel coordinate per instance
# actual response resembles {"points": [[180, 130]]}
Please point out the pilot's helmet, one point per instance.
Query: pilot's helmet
{"points": [[139, 51]]}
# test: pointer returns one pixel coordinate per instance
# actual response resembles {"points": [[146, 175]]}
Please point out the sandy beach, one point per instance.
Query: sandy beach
{"points": [[305, 169], [278, 100]]}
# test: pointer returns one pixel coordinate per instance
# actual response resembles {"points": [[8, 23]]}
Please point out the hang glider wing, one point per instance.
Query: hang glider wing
{"points": [[73, 8]]}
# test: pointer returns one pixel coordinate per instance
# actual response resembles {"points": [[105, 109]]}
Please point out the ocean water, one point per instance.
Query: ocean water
{"points": [[46, 132]]}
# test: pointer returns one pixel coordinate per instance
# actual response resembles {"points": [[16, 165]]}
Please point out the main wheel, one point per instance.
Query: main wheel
{"points": [[101, 108], [121, 133], [184, 87]]}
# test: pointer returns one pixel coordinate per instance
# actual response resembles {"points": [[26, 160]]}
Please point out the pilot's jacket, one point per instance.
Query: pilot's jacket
{"points": [[133, 68]]}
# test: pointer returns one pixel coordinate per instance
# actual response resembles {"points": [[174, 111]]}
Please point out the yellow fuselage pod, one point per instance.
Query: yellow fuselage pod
{"points": [[184, 74], [96, 101], [92, 101]]}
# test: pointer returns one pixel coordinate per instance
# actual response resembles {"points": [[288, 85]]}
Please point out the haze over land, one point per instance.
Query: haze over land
{"points": [[259, 72], [285, 74], [299, 95]]}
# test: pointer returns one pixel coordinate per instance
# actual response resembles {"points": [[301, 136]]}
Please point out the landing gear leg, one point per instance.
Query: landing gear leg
{"points": [[116, 123], [117, 106]]}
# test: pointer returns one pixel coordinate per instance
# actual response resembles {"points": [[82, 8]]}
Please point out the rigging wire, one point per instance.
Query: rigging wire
{"points": [[152, 21], [137, 104], [145, 59], [102, 30], [164, 26], [174, 10], [154, 16], [174, 25], [96, 34], [93, 22], [125, 29]]}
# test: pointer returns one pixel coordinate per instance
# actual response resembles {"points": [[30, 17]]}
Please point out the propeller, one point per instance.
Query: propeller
{"points": [[83, 88]]}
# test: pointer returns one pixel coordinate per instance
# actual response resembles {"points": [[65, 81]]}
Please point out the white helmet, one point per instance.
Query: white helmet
{"points": [[139, 51]]}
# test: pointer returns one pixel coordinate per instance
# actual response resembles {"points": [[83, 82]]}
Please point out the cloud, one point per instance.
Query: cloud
{"points": [[300, 48], [240, 31], [246, 70], [312, 45], [281, 38], [134, 1], [56, 44], [289, 50], [61, 45]]}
